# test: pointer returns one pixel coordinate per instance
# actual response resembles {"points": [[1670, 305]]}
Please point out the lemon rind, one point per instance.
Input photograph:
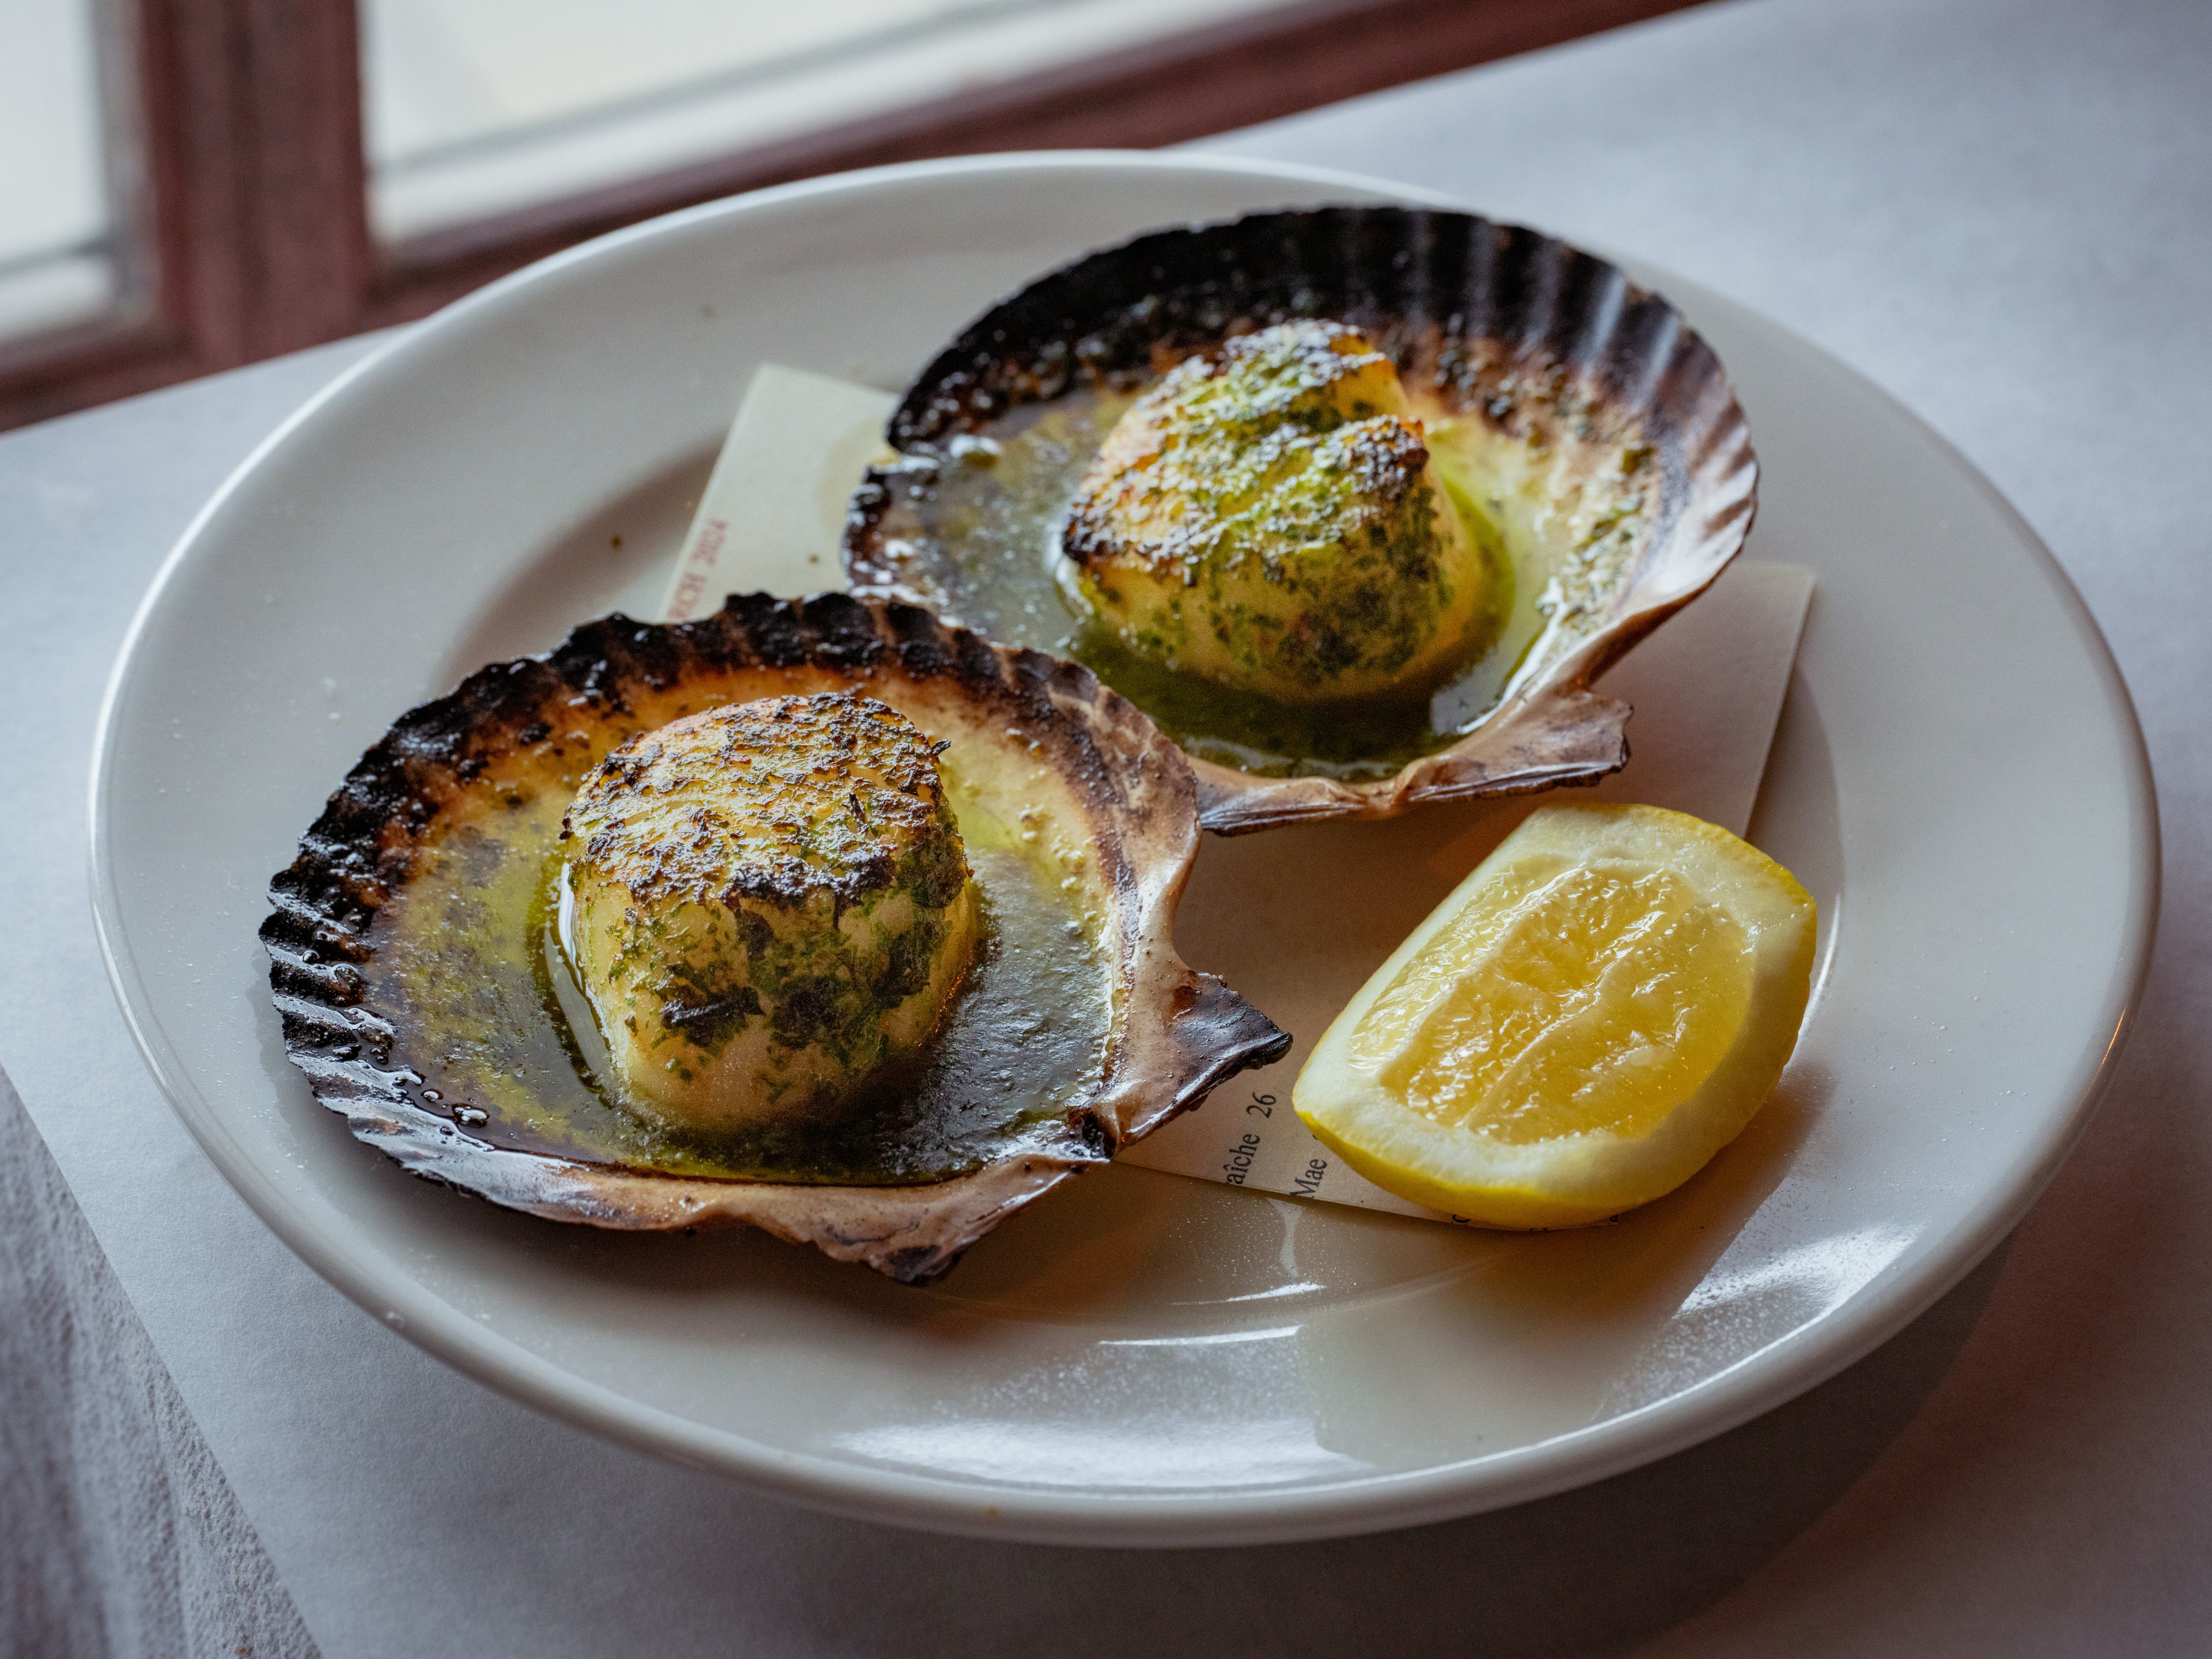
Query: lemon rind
{"points": [[1575, 1180]]}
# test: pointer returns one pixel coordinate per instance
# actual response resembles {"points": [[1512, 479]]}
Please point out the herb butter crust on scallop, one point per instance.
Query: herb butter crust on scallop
{"points": [[1265, 518], [1342, 593], [918, 977], [768, 906]]}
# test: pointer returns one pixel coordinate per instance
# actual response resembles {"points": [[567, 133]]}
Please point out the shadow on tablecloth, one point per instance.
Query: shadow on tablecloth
{"points": [[118, 1534]]}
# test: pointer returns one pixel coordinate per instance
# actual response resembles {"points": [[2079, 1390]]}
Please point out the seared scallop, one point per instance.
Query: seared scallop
{"points": [[768, 905], [1266, 517]]}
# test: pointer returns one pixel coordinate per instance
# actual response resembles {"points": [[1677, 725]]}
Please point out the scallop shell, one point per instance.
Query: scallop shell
{"points": [[1173, 1034], [1544, 345]]}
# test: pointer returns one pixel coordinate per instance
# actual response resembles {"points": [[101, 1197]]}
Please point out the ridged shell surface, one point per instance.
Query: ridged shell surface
{"points": [[1529, 344], [446, 797]]}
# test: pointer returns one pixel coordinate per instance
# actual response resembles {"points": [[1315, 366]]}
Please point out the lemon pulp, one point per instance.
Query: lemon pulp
{"points": [[1598, 1009]]}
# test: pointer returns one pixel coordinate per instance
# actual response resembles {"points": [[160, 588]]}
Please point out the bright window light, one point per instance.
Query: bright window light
{"points": [[478, 107], [57, 227]]}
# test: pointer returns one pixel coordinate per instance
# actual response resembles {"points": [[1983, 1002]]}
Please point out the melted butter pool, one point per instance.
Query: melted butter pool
{"points": [[992, 521], [490, 1012]]}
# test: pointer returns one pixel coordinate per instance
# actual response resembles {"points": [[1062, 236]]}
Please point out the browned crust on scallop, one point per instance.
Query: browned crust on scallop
{"points": [[1177, 1033], [1492, 319]]}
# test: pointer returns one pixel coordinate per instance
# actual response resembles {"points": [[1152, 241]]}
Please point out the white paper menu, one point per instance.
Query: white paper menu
{"points": [[1296, 919], [773, 513]]}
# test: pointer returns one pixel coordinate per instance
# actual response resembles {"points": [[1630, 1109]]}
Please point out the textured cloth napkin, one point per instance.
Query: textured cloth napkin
{"points": [[118, 1534]]}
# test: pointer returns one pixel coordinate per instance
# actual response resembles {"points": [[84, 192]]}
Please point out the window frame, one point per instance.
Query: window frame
{"points": [[241, 186]]}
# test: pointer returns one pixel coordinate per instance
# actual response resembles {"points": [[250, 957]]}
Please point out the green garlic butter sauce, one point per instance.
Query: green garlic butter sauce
{"points": [[994, 517], [490, 1011]]}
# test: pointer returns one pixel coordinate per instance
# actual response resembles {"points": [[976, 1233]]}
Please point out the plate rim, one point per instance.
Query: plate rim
{"points": [[1757, 1383]]}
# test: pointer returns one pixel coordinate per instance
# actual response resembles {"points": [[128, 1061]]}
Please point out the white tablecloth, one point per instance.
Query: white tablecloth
{"points": [[122, 1536], [2002, 210]]}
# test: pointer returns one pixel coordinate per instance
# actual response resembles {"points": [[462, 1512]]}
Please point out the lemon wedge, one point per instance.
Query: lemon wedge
{"points": [[1593, 1013]]}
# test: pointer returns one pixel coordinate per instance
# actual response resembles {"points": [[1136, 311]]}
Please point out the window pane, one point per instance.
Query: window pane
{"points": [[57, 225], [475, 106]]}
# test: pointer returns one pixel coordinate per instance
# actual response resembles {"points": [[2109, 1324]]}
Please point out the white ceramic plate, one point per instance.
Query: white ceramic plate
{"points": [[1141, 1360]]}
